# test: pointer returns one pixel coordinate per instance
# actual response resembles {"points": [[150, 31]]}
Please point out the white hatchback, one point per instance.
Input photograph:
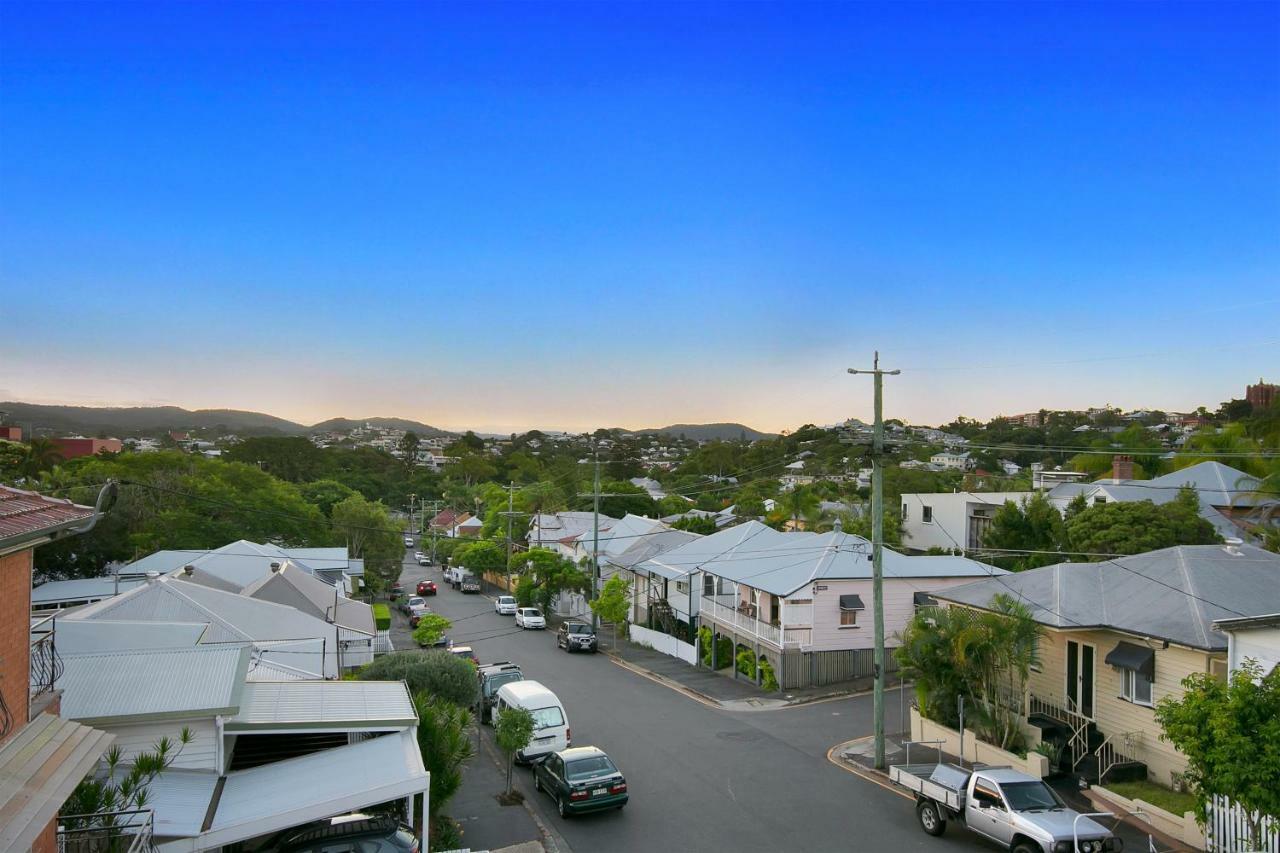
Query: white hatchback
{"points": [[530, 617], [505, 605]]}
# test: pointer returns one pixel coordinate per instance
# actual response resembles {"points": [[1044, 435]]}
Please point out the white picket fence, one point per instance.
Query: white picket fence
{"points": [[1229, 830]]}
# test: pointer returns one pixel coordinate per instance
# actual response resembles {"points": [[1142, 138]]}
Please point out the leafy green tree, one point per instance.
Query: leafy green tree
{"points": [[1230, 734], [613, 604], [371, 535], [408, 446], [485, 556], [172, 500], [671, 505], [513, 730], [695, 524], [445, 746], [435, 673], [797, 503], [12, 457], [860, 524], [42, 454], [292, 458], [431, 629], [1034, 524], [326, 494], [1134, 527]]}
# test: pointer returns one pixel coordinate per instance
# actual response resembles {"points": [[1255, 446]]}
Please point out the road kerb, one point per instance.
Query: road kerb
{"points": [[870, 776], [688, 692]]}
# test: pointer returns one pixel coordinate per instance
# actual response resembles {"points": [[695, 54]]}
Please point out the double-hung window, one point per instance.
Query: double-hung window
{"points": [[1135, 686]]}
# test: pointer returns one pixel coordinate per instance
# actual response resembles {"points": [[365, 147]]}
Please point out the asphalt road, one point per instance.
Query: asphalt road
{"points": [[700, 778]]}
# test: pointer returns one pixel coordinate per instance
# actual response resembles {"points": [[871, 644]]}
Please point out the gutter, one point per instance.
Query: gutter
{"points": [[106, 499]]}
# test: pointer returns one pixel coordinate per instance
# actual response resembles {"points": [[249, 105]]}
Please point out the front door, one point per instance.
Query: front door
{"points": [[1080, 677]]}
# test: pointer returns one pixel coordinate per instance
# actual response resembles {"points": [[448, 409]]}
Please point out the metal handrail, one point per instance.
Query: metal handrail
{"points": [[126, 831], [46, 664], [1109, 756], [1078, 743]]}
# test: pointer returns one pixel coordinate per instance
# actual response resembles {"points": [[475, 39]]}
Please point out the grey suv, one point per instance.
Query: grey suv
{"points": [[577, 637]]}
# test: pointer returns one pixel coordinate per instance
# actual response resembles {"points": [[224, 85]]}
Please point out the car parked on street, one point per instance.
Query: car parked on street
{"points": [[423, 560], [581, 779], [411, 604], [408, 541], [396, 590], [464, 652], [530, 617], [427, 588], [551, 731], [469, 584], [366, 833], [505, 605], [577, 637], [492, 676]]}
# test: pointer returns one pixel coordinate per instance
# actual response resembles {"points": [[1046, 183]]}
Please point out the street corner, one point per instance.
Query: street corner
{"points": [[857, 756]]}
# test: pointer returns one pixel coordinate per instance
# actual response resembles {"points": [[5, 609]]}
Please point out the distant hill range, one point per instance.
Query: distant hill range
{"points": [[345, 424], [122, 422], [710, 432]]}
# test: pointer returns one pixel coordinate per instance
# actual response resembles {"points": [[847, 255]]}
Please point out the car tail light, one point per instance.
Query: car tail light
{"points": [[619, 788], [579, 795]]}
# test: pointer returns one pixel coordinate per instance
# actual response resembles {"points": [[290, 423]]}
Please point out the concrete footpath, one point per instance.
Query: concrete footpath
{"points": [[721, 689]]}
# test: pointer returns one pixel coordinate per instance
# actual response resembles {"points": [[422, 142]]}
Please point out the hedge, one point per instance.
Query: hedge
{"points": [[382, 616]]}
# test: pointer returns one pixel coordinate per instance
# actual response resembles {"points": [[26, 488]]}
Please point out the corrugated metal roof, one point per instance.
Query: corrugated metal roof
{"points": [[1172, 594], [85, 636], [322, 704], [284, 794], [25, 513], [83, 589], [39, 768], [781, 563], [154, 684], [294, 587], [180, 800]]}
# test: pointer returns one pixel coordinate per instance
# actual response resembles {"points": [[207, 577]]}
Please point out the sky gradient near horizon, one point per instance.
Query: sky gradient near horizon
{"points": [[564, 216]]}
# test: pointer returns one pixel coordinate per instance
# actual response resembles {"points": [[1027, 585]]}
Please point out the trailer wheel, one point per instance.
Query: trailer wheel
{"points": [[930, 817]]}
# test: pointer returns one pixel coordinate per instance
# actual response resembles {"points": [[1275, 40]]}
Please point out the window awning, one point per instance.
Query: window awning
{"points": [[923, 599], [1130, 656], [851, 602]]}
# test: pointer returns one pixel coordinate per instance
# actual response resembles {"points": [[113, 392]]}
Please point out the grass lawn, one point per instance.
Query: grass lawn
{"points": [[1157, 795]]}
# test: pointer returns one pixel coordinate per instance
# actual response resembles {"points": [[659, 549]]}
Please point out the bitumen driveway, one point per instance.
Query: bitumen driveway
{"points": [[701, 778]]}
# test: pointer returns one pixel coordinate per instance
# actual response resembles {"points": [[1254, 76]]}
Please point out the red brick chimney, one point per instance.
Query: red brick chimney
{"points": [[1122, 467]]}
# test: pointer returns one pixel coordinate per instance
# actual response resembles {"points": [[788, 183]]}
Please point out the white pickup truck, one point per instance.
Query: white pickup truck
{"points": [[1019, 812]]}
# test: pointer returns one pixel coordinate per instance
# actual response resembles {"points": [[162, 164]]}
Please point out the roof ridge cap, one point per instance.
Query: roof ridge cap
{"points": [[1193, 603]]}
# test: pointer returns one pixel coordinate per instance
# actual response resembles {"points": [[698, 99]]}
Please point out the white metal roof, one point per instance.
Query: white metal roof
{"points": [[324, 704], [84, 636], [159, 684], [288, 793], [83, 589]]}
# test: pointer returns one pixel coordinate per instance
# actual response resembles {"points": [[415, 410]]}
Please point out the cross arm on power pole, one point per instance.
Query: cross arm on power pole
{"points": [[877, 549]]}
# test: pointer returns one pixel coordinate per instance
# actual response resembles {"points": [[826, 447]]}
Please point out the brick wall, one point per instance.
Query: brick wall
{"points": [[15, 641]]}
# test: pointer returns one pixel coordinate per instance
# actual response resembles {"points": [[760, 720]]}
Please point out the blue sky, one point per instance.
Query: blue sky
{"points": [[506, 216]]}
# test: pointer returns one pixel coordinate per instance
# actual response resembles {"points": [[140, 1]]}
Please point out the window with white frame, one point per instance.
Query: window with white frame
{"points": [[708, 584], [682, 587], [1135, 686]]}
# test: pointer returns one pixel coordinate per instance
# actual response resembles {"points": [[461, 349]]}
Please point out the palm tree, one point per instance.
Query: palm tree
{"points": [[42, 454], [798, 503]]}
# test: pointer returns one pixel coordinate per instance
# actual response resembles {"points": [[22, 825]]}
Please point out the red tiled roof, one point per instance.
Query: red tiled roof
{"points": [[23, 513], [445, 518]]}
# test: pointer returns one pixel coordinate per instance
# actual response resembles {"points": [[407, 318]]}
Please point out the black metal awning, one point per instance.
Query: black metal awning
{"points": [[923, 599], [851, 602], [1130, 656]]}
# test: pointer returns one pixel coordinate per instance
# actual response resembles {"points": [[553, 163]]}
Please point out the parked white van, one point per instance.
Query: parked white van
{"points": [[550, 722]]}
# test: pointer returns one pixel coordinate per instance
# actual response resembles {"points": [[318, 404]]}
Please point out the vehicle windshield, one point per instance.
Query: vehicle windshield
{"points": [[1030, 796], [415, 601], [585, 768], [493, 682], [531, 611], [579, 629], [545, 718], [506, 599]]}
